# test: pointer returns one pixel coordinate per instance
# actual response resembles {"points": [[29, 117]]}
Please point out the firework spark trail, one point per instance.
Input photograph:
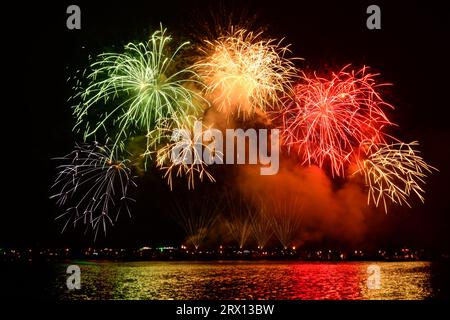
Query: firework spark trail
{"points": [[244, 73], [94, 184], [183, 156], [286, 220], [394, 172], [329, 118], [239, 229], [136, 90], [239, 217], [196, 218], [262, 228]]}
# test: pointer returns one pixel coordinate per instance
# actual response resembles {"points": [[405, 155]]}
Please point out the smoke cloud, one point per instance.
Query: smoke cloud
{"points": [[327, 211]]}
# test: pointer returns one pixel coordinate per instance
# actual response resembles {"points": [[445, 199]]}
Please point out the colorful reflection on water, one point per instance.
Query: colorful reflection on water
{"points": [[247, 280]]}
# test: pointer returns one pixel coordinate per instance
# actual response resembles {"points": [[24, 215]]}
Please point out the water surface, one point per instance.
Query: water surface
{"points": [[246, 280]]}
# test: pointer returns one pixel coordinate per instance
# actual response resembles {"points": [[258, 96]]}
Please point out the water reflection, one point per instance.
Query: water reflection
{"points": [[247, 280]]}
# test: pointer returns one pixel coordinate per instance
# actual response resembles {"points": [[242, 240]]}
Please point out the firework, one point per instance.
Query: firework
{"points": [[286, 220], [394, 172], [91, 186], [135, 91], [239, 217], [183, 156], [244, 73], [329, 118], [239, 229], [196, 218], [262, 228]]}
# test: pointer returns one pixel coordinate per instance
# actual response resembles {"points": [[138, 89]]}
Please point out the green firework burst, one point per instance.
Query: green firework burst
{"points": [[136, 92]]}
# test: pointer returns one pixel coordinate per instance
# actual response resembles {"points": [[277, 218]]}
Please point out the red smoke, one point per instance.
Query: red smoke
{"points": [[327, 211]]}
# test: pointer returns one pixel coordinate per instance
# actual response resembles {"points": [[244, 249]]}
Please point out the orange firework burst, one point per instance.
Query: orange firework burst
{"points": [[329, 118], [244, 72]]}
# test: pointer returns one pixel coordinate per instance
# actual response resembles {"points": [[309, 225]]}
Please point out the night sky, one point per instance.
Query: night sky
{"points": [[410, 51]]}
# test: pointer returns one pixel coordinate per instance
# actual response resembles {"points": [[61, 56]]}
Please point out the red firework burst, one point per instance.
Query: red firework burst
{"points": [[329, 118]]}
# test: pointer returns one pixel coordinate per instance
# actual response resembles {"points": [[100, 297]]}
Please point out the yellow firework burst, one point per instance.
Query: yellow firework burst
{"points": [[244, 72], [184, 155], [394, 172]]}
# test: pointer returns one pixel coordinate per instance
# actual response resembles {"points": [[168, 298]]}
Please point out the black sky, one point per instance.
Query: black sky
{"points": [[411, 51]]}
